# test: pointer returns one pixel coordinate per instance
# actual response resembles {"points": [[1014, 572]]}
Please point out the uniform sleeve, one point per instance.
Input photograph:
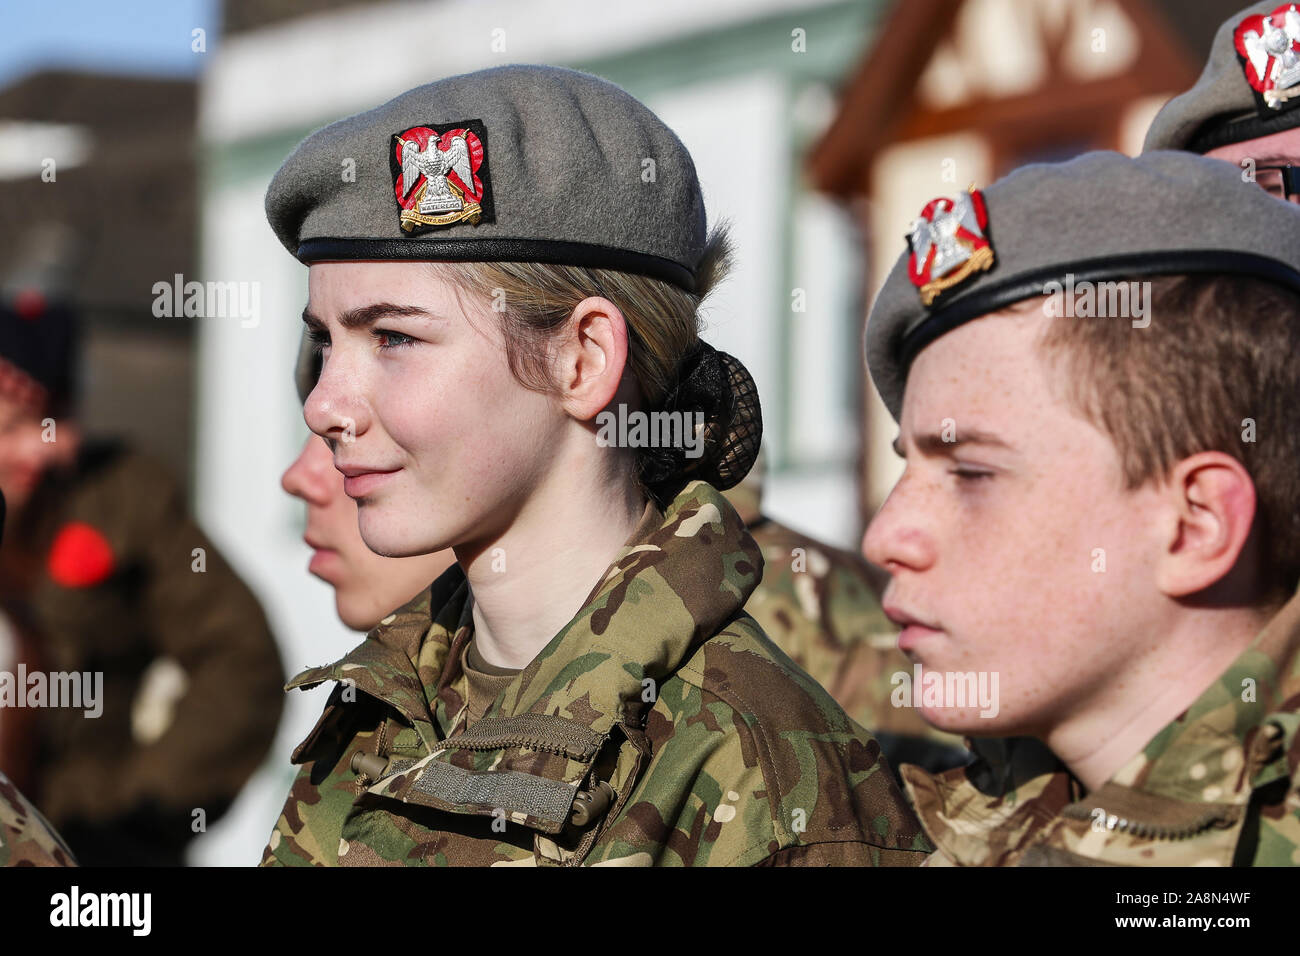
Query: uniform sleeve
{"points": [[203, 616], [26, 837], [291, 843]]}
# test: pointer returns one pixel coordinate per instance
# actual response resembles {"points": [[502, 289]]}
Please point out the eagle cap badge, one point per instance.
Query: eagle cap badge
{"points": [[1268, 46], [440, 175], [949, 243]]}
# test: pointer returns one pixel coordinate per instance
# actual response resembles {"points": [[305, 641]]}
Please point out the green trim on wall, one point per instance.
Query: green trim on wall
{"points": [[836, 37]]}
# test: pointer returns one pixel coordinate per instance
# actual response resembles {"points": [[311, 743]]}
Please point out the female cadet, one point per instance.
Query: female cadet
{"points": [[505, 296]]}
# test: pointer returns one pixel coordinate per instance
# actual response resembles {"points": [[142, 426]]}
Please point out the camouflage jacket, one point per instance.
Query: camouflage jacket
{"points": [[1218, 786], [820, 605], [660, 726], [26, 838]]}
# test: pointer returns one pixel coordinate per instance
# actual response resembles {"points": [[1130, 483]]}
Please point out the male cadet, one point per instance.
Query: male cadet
{"points": [[1245, 108], [1101, 510], [822, 607]]}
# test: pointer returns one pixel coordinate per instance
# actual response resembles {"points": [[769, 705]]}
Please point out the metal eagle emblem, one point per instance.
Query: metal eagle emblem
{"points": [[949, 242], [440, 176], [1269, 48]]}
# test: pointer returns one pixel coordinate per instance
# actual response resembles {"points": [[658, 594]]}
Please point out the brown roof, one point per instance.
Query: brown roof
{"points": [[243, 15], [877, 104]]}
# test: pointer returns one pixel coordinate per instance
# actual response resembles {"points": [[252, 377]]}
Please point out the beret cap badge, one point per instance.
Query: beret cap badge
{"points": [[949, 243], [1269, 49], [440, 175]]}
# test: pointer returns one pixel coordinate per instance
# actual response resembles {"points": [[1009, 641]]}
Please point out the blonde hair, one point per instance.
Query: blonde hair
{"points": [[663, 321], [535, 299]]}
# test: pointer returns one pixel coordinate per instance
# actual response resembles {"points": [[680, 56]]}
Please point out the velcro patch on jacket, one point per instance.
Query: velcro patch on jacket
{"points": [[527, 799]]}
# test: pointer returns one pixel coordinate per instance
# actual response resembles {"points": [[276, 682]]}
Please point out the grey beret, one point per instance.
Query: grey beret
{"points": [[1223, 106], [516, 163], [1099, 216]]}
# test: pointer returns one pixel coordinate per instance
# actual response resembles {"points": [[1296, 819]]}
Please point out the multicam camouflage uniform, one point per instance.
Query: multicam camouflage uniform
{"points": [[1219, 786], [820, 606], [26, 838], [661, 712]]}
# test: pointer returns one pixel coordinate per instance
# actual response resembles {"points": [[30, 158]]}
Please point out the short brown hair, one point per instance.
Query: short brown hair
{"points": [[1221, 352]]}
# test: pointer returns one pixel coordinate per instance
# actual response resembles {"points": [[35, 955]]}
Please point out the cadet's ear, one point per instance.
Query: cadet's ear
{"points": [[1211, 504], [591, 357]]}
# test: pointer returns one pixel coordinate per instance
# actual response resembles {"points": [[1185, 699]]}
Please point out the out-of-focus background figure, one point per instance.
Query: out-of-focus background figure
{"points": [[115, 589], [819, 127]]}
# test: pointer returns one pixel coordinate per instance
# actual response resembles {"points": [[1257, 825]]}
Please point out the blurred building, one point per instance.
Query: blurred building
{"points": [[954, 93], [98, 187]]}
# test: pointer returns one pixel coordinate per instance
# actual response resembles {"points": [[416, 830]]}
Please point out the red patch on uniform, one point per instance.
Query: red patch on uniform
{"points": [[80, 556], [1269, 48]]}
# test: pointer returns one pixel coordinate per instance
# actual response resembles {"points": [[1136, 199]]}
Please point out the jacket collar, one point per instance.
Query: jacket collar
{"points": [[1197, 773], [683, 574]]}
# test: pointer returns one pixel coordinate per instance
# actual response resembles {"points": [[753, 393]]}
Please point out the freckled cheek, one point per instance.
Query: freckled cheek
{"points": [[1012, 562]]}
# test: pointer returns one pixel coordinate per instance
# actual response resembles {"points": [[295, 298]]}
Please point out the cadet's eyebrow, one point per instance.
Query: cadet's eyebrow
{"points": [[933, 443], [365, 315]]}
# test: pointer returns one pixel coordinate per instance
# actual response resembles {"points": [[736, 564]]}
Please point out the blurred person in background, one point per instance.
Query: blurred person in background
{"points": [[821, 606], [366, 585], [1245, 108], [104, 574]]}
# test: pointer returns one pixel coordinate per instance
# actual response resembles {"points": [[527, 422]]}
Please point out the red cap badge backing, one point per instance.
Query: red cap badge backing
{"points": [[1269, 48], [949, 243], [440, 175]]}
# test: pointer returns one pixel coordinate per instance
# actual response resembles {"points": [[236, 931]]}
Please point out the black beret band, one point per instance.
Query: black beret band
{"points": [[556, 252], [996, 296], [1226, 132]]}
